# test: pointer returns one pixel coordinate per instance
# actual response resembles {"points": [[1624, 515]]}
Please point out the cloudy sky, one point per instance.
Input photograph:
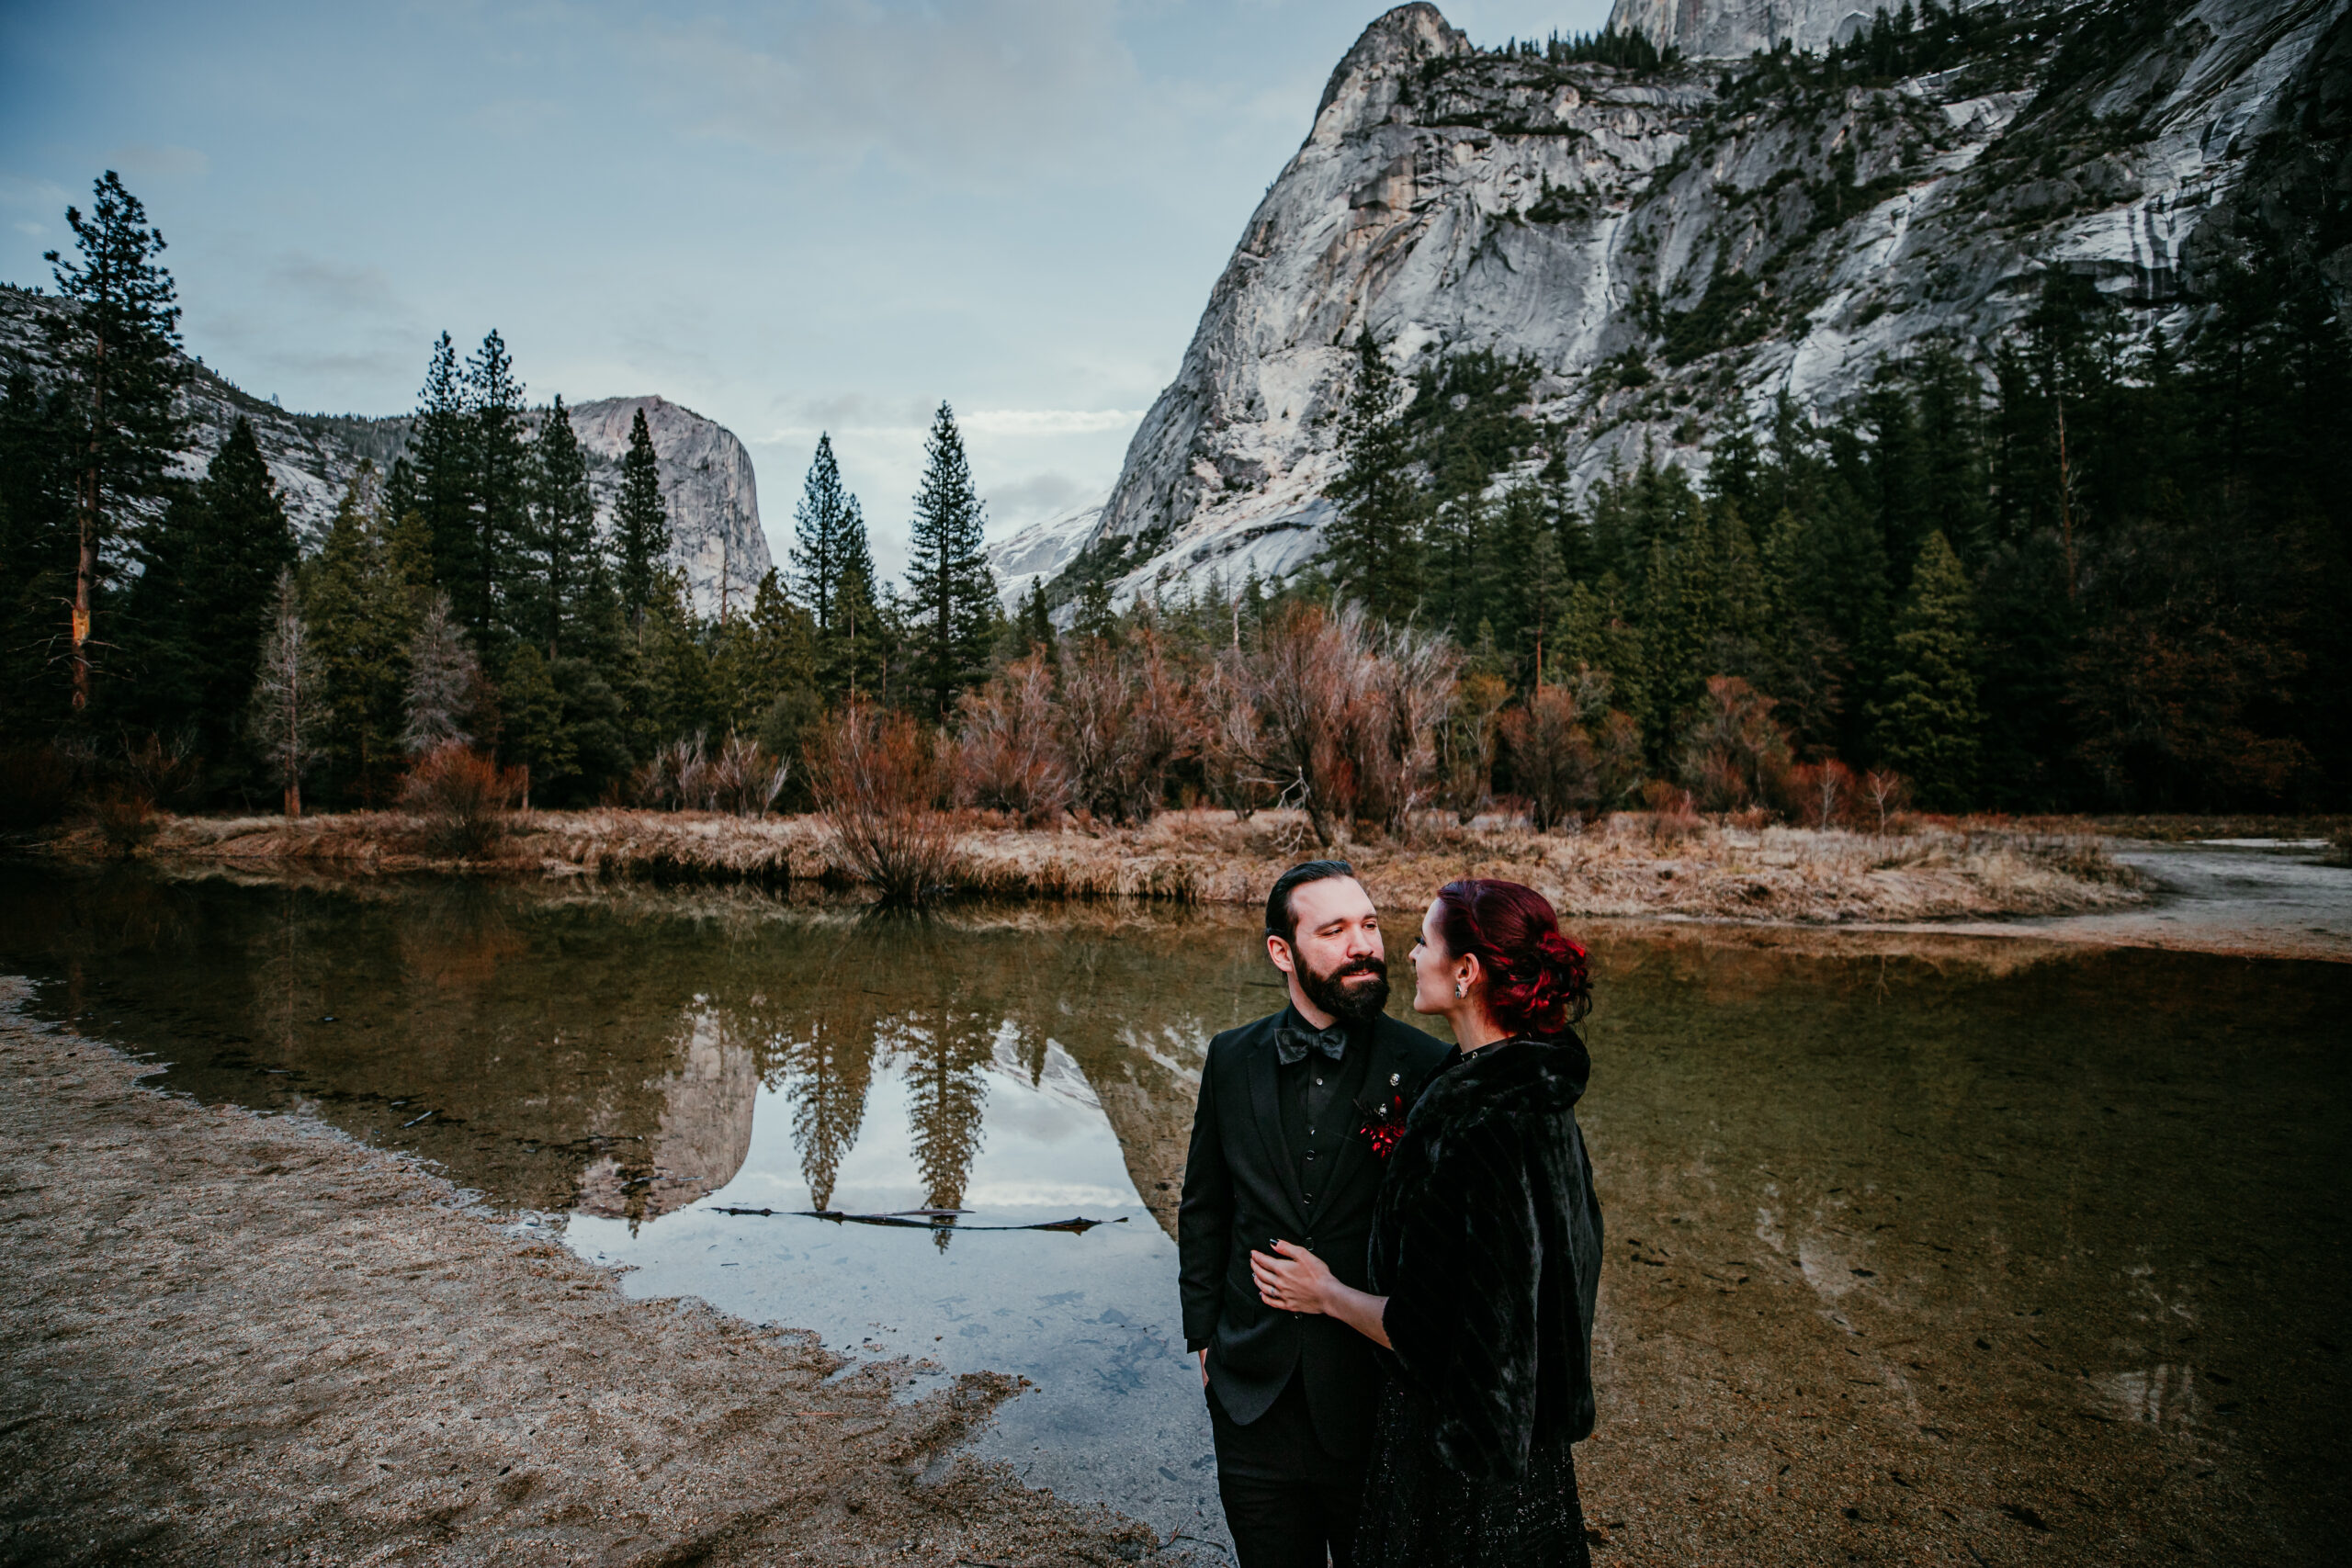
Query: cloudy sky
{"points": [[790, 217]]}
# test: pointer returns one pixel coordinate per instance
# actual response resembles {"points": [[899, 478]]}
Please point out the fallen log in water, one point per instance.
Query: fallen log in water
{"points": [[922, 1219]]}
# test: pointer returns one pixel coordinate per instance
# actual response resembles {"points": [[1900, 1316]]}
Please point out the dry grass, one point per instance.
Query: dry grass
{"points": [[1630, 864]]}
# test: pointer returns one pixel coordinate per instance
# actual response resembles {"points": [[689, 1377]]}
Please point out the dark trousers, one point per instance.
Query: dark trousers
{"points": [[1290, 1502]]}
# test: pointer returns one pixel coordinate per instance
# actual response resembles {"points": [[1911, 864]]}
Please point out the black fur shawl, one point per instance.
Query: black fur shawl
{"points": [[1488, 1244]]}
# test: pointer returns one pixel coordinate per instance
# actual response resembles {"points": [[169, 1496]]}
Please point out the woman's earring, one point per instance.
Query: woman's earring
{"points": [[1457, 991]]}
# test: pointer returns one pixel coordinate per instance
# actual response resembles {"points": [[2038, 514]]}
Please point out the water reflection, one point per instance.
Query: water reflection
{"points": [[1977, 1187], [606, 1053]]}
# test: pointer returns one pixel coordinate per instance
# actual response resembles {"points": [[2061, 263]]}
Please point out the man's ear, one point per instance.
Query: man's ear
{"points": [[1279, 950]]}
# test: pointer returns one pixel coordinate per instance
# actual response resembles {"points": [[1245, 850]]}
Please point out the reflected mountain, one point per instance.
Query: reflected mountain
{"points": [[606, 1053]]}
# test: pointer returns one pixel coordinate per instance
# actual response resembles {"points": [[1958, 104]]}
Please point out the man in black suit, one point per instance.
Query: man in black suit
{"points": [[1279, 1153]]}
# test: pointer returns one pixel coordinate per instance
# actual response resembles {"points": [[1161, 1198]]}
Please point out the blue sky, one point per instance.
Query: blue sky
{"points": [[789, 217]]}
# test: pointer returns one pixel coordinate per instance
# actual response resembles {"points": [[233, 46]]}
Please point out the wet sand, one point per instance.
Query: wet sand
{"points": [[233, 1337]]}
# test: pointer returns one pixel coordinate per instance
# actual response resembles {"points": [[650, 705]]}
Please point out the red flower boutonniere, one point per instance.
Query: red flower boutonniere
{"points": [[1383, 1124]]}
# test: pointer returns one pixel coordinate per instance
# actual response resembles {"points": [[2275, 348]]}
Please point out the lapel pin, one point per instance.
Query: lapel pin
{"points": [[1396, 1078]]}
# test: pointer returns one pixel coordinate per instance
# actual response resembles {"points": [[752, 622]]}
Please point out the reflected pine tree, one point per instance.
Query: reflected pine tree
{"points": [[829, 1069], [944, 1053]]}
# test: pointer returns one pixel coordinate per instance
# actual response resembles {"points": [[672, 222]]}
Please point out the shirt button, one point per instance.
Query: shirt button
{"points": [[1310, 1154], [1318, 1083]]}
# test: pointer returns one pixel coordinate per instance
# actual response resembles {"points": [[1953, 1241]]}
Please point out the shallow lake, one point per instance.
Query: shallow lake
{"points": [[2074, 1215]]}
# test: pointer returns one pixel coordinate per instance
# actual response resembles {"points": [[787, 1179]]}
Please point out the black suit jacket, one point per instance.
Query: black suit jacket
{"points": [[1241, 1191]]}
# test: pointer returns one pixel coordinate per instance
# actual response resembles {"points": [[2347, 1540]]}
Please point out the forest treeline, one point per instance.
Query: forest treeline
{"points": [[2085, 567]]}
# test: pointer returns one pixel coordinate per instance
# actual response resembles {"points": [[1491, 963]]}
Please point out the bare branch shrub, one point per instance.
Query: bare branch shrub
{"points": [[289, 695], [1126, 718], [1673, 815], [1404, 689], [1732, 752], [1552, 757], [878, 779], [466, 800], [1888, 793], [1230, 737], [1466, 744], [1302, 683], [1820, 795], [1007, 754], [685, 775]]}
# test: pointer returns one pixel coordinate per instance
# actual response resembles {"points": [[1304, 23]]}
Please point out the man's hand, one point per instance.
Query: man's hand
{"points": [[1205, 1366], [1297, 1280]]}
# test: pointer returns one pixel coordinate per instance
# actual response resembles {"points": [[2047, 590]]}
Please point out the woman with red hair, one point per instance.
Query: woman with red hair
{"points": [[1486, 1253]]}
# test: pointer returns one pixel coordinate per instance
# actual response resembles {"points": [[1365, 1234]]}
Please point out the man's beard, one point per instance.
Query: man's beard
{"points": [[1358, 1003]]}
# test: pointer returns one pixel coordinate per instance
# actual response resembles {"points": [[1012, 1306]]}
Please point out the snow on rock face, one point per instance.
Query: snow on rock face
{"points": [[1448, 200], [706, 477], [1038, 553]]}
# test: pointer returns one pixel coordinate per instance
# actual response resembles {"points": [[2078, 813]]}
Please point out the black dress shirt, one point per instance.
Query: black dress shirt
{"points": [[1318, 1111]]}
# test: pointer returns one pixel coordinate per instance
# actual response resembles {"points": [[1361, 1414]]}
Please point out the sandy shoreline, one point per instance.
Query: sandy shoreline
{"points": [[237, 1338]]}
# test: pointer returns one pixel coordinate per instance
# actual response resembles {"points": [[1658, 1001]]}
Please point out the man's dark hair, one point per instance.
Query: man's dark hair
{"points": [[1282, 920]]}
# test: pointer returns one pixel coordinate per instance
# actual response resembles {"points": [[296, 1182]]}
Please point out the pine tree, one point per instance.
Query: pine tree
{"points": [[38, 530], [212, 562], [853, 655], [531, 730], [1374, 545], [501, 493], [640, 527], [288, 701], [117, 350], [1928, 726], [829, 536], [365, 597], [440, 456], [1096, 618], [951, 597], [1036, 621], [563, 556]]}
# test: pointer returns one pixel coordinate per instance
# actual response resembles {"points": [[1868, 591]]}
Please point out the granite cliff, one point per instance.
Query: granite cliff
{"points": [[1667, 245], [707, 476]]}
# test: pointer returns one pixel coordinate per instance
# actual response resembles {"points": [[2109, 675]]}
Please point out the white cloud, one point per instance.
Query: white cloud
{"points": [[1048, 422], [995, 88]]}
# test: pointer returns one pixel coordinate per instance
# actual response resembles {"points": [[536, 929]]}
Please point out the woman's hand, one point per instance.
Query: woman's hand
{"points": [[1297, 1280]]}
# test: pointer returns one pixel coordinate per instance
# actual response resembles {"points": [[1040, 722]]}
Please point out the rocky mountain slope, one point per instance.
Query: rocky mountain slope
{"points": [[1667, 245], [706, 472]]}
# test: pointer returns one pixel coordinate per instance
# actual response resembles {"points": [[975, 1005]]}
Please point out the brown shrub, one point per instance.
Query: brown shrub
{"points": [[1673, 815], [1888, 794], [1551, 758], [1405, 685], [1126, 719], [878, 779], [464, 799], [1006, 758], [1733, 753], [685, 775], [1466, 745], [1820, 795], [124, 815]]}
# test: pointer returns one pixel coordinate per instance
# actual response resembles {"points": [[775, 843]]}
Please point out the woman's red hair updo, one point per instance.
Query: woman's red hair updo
{"points": [[1537, 980]]}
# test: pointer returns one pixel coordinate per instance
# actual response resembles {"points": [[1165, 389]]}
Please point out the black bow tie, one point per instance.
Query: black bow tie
{"points": [[1295, 1040]]}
